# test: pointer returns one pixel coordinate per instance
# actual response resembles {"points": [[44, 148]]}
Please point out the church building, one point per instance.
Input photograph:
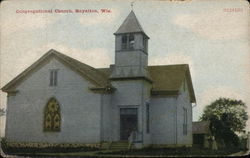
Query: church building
{"points": [[59, 99]]}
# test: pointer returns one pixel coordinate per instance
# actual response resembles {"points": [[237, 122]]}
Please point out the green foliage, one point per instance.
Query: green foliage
{"points": [[3, 143], [226, 116], [24, 147]]}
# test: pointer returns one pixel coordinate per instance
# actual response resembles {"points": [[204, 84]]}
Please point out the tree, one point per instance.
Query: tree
{"points": [[226, 117]]}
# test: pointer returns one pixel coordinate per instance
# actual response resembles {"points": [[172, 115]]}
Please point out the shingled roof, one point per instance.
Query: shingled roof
{"points": [[96, 77], [130, 25], [166, 79]]}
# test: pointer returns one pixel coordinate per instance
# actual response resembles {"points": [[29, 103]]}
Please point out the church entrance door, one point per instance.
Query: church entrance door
{"points": [[128, 122]]}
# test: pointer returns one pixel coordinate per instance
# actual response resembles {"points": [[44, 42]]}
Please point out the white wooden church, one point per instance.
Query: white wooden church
{"points": [[59, 99]]}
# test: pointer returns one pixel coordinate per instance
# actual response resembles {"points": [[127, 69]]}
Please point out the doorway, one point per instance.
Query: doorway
{"points": [[128, 122]]}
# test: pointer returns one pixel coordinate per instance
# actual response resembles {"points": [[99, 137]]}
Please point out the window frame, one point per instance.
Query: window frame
{"points": [[184, 121], [54, 113], [131, 41], [126, 40], [147, 117], [145, 43], [53, 77]]}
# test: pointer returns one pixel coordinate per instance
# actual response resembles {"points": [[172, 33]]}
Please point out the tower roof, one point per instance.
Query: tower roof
{"points": [[130, 25]]}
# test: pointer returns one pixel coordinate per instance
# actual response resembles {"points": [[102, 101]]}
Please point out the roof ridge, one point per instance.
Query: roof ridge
{"points": [[79, 63], [72, 58], [97, 77], [130, 25], [168, 65], [26, 71], [136, 20], [151, 66]]}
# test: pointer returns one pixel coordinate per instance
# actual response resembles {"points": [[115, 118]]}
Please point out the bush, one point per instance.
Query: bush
{"points": [[24, 147], [230, 138], [3, 144]]}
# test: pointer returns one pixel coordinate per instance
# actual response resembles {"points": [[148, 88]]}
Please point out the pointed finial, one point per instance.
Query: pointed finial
{"points": [[132, 4]]}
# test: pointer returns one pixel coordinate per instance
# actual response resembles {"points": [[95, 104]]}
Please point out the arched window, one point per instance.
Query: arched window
{"points": [[52, 117]]}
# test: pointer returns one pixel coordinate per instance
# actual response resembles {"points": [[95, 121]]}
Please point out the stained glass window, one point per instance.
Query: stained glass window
{"points": [[52, 117]]}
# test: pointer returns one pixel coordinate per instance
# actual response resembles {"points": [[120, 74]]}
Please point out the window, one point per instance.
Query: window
{"points": [[53, 77], [52, 118], [145, 45], [124, 41], [131, 41], [128, 41], [147, 113], [184, 121]]}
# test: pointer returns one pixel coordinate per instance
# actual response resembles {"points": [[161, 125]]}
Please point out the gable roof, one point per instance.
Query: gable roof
{"points": [[96, 77], [130, 25], [167, 79], [167, 76], [201, 127]]}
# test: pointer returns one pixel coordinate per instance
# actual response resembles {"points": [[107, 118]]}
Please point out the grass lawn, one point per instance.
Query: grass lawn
{"points": [[172, 152], [137, 152]]}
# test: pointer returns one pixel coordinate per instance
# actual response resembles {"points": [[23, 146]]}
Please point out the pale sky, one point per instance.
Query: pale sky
{"points": [[212, 36]]}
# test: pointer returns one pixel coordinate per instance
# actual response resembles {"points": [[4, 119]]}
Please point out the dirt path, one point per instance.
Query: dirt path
{"points": [[241, 153]]}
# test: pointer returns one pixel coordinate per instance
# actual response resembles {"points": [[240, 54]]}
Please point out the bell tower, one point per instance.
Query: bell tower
{"points": [[131, 79], [131, 50]]}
